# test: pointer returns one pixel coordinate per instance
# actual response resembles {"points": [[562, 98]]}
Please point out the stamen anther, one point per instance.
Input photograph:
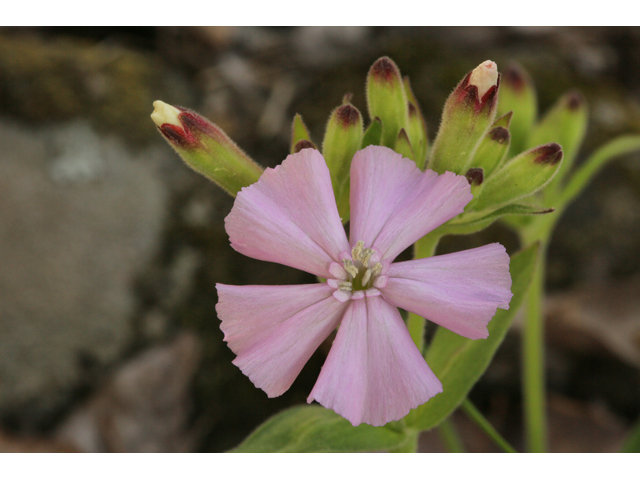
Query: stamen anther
{"points": [[350, 267], [345, 286]]}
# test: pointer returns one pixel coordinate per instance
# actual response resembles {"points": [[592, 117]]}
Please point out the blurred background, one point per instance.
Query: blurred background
{"points": [[110, 247]]}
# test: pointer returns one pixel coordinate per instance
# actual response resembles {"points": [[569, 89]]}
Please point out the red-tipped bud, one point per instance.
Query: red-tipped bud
{"points": [[205, 147], [468, 114], [474, 176]]}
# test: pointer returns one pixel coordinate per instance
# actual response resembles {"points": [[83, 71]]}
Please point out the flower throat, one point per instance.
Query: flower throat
{"points": [[361, 273]]}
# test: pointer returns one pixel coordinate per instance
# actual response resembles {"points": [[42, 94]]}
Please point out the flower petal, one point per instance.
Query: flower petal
{"points": [[460, 291], [273, 359], [374, 372], [290, 216], [251, 313], [394, 203]]}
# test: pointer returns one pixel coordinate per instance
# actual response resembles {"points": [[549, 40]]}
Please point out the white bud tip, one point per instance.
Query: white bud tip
{"points": [[165, 113], [484, 77]]}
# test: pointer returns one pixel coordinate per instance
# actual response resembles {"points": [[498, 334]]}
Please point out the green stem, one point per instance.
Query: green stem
{"points": [[474, 414], [425, 247], [533, 361], [450, 437]]}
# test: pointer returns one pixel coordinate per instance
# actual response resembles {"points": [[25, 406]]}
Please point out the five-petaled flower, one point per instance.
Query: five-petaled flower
{"points": [[374, 372]]}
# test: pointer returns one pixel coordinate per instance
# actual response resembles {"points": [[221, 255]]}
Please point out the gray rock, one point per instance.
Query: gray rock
{"points": [[80, 216]]}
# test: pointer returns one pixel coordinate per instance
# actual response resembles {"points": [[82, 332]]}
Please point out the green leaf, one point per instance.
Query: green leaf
{"points": [[459, 362], [585, 172], [475, 224], [632, 442], [316, 429]]}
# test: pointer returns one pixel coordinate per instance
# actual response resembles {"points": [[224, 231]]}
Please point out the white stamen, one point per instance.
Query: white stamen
{"points": [[366, 277], [345, 286]]}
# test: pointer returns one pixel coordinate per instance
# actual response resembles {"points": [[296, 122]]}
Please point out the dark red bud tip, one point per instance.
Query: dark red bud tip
{"points": [[347, 115], [302, 144], [549, 154], [575, 100], [194, 122], [177, 135], [385, 70], [475, 176], [413, 111], [500, 135], [546, 210], [514, 77]]}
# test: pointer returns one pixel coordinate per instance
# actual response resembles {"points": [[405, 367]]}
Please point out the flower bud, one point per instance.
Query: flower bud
{"points": [[466, 118], [386, 99], [416, 127], [205, 147], [566, 124], [518, 94], [521, 176], [299, 131], [492, 150], [342, 140]]}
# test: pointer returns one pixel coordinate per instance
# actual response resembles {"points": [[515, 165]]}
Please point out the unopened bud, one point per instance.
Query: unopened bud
{"points": [[205, 147], [566, 124], [492, 150], [518, 94], [386, 99], [466, 118], [416, 127], [521, 176], [342, 140]]}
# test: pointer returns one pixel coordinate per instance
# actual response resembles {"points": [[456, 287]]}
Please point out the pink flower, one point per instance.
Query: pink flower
{"points": [[374, 372]]}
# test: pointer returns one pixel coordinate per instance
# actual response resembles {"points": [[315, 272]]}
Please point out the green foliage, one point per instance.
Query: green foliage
{"points": [[459, 362], [316, 429]]}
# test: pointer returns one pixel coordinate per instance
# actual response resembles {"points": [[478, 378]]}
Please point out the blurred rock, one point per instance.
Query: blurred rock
{"points": [[144, 407], [80, 217], [593, 317]]}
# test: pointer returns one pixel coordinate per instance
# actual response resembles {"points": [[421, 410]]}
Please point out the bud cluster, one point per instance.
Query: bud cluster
{"points": [[505, 155]]}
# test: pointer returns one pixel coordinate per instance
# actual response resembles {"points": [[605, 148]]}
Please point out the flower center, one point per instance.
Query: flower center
{"points": [[361, 270]]}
